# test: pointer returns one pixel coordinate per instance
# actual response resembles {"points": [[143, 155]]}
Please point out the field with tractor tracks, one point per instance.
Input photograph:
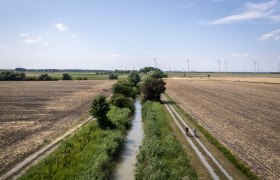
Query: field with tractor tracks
{"points": [[243, 116], [33, 113]]}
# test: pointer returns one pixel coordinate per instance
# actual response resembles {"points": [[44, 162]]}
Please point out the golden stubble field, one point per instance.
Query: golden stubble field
{"points": [[243, 116], [32, 113]]}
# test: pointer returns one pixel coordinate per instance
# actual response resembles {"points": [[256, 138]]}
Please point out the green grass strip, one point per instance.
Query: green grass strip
{"points": [[227, 153], [89, 154], [161, 155]]}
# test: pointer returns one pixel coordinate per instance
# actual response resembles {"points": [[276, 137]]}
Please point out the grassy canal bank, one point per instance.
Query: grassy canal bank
{"points": [[89, 154], [161, 155]]}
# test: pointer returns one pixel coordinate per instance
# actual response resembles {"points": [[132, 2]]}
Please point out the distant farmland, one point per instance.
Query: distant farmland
{"points": [[32, 113], [243, 116]]}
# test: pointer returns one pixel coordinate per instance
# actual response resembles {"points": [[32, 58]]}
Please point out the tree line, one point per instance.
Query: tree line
{"points": [[125, 92], [15, 76]]}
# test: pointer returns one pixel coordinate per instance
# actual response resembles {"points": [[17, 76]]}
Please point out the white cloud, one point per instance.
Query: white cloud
{"points": [[253, 11], [33, 40], [113, 56], [30, 40], [61, 27], [274, 35]]}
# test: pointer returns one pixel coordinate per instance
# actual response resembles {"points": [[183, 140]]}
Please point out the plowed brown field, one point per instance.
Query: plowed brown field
{"points": [[243, 116], [32, 113]]}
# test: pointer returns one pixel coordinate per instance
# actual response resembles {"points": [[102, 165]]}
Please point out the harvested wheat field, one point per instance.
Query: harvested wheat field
{"points": [[32, 113], [243, 116]]}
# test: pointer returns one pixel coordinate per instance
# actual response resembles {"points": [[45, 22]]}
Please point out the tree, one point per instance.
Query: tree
{"points": [[20, 69], [113, 76], [147, 69], [152, 88], [125, 88], [99, 109], [11, 76], [45, 77], [157, 74], [122, 101], [66, 76], [134, 77]]}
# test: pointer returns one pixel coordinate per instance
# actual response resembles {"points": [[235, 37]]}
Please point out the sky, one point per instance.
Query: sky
{"points": [[130, 34]]}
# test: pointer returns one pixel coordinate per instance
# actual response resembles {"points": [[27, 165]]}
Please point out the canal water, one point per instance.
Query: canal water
{"points": [[126, 163]]}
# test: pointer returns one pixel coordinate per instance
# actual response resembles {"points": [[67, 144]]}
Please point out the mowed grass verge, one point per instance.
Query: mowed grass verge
{"points": [[161, 156], [89, 154]]}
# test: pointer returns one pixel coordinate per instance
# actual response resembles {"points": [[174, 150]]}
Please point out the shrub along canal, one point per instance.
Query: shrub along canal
{"points": [[126, 163]]}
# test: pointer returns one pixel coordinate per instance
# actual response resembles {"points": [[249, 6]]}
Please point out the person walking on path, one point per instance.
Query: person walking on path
{"points": [[194, 132], [187, 131]]}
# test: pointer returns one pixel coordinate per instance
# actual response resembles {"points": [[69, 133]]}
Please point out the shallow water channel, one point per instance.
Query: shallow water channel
{"points": [[126, 163]]}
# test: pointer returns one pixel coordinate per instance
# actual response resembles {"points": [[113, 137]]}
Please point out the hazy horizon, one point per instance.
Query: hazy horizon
{"points": [[131, 34]]}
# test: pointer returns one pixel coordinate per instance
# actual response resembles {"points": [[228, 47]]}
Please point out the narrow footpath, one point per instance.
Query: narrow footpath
{"points": [[205, 156]]}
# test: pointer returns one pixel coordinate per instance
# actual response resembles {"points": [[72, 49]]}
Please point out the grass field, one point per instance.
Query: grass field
{"points": [[75, 75], [161, 156], [88, 154], [243, 116], [33, 113]]}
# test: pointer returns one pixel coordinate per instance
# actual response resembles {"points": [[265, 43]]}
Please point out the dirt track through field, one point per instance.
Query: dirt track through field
{"points": [[182, 125], [34, 113], [243, 116]]}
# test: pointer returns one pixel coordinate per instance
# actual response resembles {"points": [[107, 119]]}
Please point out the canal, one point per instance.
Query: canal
{"points": [[126, 163]]}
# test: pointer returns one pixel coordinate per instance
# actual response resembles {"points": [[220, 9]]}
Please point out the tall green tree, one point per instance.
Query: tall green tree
{"points": [[152, 88], [99, 109], [134, 77]]}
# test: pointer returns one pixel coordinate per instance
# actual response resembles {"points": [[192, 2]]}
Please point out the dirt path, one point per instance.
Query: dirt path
{"points": [[242, 116], [205, 157], [27, 161]]}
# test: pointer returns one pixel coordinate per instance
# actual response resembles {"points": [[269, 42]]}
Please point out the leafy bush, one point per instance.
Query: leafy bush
{"points": [[134, 77], [11, 76], [147, 69], [125, 88], [157, 74], [45, 77], [122, 101], [66, 76], [113, 76]]}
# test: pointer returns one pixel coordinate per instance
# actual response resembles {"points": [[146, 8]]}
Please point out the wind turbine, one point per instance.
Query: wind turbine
{"points": [[226, 65], [155, 63], [188, 61], [219, 61], [254, 62]]}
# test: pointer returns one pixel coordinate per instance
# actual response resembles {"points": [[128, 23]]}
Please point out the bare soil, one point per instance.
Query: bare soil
{"points": [[243, 116], [33, 113]]}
